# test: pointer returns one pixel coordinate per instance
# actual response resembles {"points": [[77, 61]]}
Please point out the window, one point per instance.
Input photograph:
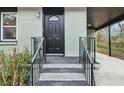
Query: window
{"points": [[53, 18], [8, 26]]}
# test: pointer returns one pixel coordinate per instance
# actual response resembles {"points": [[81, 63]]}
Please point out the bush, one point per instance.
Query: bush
{"points": [[118, 44], [14, 67], [101, 45]]}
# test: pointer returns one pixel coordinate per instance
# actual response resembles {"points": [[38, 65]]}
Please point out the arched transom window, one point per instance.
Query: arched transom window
{"points": [[53, 18]]}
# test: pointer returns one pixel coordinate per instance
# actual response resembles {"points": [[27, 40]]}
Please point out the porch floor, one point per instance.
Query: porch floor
{"points": [[111, 72], [62, 71]]}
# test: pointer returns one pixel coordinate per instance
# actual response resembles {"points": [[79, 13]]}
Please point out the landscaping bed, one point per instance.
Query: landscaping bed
{"points": [[14, 67]]}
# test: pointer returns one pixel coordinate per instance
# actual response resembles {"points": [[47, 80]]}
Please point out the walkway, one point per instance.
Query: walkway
{"points": [[62, 71], [111, 71]]}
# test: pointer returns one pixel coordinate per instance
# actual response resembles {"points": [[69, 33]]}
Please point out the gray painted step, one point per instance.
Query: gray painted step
{"points": [[62, 70], [61, 60], [62, 66], [61, 76], [62, 83]]}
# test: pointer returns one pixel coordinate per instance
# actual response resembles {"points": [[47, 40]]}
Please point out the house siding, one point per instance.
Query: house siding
{"points": [[75, 27], [29, 25]]}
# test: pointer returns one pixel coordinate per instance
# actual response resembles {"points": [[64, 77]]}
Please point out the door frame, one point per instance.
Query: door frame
{"points": [[62, 12]]}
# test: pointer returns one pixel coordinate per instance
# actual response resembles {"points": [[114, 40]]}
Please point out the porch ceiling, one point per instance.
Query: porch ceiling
{"points": [[100, 17]]}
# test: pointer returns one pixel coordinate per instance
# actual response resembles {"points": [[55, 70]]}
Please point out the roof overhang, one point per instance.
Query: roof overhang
{"points": [[100, 17]]}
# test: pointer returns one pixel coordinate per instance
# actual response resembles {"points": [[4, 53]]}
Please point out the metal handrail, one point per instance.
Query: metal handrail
{"points": [[91, 62], [41, 43], [34, 57], [87, 61]]}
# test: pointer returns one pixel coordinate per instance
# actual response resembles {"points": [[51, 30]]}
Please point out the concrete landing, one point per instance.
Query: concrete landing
{"points": [[111, 72], [62, 60]]}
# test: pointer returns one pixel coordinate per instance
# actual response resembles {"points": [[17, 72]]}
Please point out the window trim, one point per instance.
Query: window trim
{"points": [[2, 39]]}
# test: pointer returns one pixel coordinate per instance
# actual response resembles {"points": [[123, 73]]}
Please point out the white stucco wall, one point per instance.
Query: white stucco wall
{"points": [[75, 27], [29, 25]]}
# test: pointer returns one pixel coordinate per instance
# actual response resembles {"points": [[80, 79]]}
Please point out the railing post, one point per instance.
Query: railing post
{"points": [[92, 80], [32, 74], [32, 46], [80, 50], [44, 49], [94, 50]]}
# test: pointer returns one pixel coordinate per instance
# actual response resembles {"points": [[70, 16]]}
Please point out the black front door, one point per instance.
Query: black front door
{"points": [[54, 33]]}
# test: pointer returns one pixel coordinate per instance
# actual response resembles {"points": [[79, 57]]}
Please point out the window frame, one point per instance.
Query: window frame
{"points": [[2, 32]]}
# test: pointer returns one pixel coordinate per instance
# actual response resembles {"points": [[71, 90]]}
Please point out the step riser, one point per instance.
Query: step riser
{"points": [[61, 83], [62, 70]]}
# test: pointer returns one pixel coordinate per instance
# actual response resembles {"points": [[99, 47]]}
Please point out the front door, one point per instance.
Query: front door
{"points": [[54, 33]]}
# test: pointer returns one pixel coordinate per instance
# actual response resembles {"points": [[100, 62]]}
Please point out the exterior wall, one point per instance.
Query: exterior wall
{"points": [[91, 33], [29, 25], [75, 27]]}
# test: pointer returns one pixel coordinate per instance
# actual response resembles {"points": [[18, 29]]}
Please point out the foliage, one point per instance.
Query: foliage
{"points": [[14, 67], [117, 40]]}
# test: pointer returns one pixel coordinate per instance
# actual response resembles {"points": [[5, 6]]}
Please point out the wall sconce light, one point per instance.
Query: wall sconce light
{"points": [[38, 15], [89, 25]]}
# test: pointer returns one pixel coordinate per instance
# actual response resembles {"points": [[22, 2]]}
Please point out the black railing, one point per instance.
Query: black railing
{"points": [[87, 58], [38, 58]]}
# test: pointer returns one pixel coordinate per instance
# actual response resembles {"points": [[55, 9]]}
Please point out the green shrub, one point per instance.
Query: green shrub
{"points": [[118, 44], [14, 67], [101, 45]]}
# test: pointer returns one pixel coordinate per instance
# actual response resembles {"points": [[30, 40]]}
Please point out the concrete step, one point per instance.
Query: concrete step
{"points": [[62, 83], [61, 60], [62, 70], [61, 77], [62, 66]]}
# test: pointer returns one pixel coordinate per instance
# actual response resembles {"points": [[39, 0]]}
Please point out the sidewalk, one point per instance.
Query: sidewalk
{"points": [[111, 70]]}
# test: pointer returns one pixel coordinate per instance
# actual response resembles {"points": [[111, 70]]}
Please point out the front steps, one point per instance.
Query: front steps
{"points": [[62, 83], [58, 74], [61, 76]]}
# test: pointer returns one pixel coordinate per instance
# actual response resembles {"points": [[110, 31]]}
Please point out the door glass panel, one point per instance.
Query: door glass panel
{"points": [[53, 18]]}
